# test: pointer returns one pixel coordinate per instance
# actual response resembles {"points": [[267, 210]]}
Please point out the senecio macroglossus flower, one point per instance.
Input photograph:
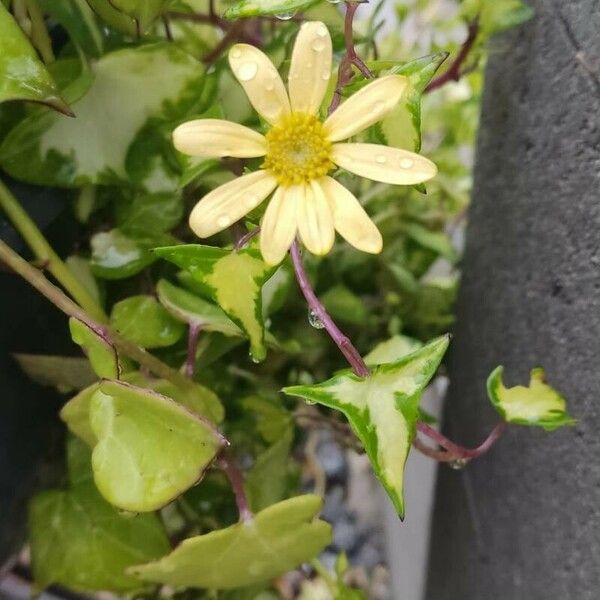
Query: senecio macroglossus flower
{"points": [[299, 151]]}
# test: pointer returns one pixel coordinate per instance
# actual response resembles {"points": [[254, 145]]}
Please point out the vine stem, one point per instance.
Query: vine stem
{"points": [[455, 70], [38, 280], [44, 252], [342, 342], [455, 451], [236, 480]]}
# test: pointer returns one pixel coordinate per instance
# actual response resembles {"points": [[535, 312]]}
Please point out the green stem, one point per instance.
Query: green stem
{"points": [[39, 34], [39, 281], [44, 252]]}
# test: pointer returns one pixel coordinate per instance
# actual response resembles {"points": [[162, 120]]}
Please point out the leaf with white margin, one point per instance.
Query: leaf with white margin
{"points": [[274, 541], [392, 349], [23, 76], [100, 352], [150, 449], [80, 541], [382, 409], [193, 310], [538, 405], [131, 87], [233, 279]]}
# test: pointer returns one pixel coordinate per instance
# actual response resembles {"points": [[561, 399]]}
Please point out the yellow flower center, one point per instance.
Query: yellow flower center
{"points": [[298, 150]]}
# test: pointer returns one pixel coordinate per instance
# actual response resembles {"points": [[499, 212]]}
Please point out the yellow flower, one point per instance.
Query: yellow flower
{"points": [[299, 152]]}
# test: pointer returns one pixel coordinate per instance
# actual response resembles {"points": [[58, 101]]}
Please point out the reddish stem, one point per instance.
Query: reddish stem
{"points": [[454, 450], [243, 241], [343, 343], [455, 70], [236, 479], [193, 333]]}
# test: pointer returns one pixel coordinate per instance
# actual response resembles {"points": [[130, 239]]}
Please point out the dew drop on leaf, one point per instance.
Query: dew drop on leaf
{"points": [[314, 320], [285, 16], [458, 464]]}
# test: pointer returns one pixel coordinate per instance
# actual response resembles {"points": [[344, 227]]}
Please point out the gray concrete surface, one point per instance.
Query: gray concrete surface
{"points": [[523, 523]]}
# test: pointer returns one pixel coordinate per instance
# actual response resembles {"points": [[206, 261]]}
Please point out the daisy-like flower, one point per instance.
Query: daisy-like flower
{"points": [[299, 151]]}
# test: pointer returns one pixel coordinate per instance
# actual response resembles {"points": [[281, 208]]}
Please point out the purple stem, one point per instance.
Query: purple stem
{"points": [[242, 242], [236, 479], [343, 343], [193, 333], [454, 450]]}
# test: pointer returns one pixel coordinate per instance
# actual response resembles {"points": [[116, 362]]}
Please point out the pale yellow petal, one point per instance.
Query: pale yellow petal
{"points": [[310, 68], [279, 225], [350, 218], [230, 202], [315, 220], [383, 163], [369, 105], [215, 137], [261, 81]]}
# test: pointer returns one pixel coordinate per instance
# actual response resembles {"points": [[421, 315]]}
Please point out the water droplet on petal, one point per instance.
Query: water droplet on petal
{"points": [[378, 106], [314, 320], [286, 16], [334, 1], [458, 464], [247, 71], [318, 45], [406, 163], [381, 159], [235, 53], [250, 201], [224, 221]]}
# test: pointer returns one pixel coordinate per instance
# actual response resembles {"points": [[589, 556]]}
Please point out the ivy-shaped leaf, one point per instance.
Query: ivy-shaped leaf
{"points": [[193, 310], [145, 322], [131, 88], [149, 449], [538, 405], [100, 352], [276, 540], [382, 409], [393, 349], [402, 126], [233, 279], [79, 540], [256, 8], [23, 76]]}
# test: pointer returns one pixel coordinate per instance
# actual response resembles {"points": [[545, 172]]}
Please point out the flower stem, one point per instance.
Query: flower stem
{"points": [[44, 252], [190, 363], [343, 343], [454, 451], [38, 280], [236, 479]]}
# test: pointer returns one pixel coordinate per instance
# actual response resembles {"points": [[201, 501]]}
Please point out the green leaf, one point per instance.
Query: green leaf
{"points": [[382, 409], [254, 8], [393, 349], [100, 352], [143, 321], [267, 481], [438, 241], [76, 415], [142, 212], [233, 279], [276, 540], [113, 17], [66, 373], [22, 75], [344, 305], [402, 127], [150, 449], [191, 309], [272, 420], [80, 541], [538, 405], [143, 11], [496, 15], [118, 256], [78, 19], [132, 90]]}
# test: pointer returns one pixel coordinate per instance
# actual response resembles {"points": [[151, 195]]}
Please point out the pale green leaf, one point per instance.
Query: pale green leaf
{"points": [[23, 76], [391, 350], [537, 405], [496, 15], [143, 321], [66, 373], [150, 449], [100, 352], [113, 17], [253, 8], [76, 414], [133, 91], [80, 541], [233, 279], [276, 540], [192, 309], [382, 409]]}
